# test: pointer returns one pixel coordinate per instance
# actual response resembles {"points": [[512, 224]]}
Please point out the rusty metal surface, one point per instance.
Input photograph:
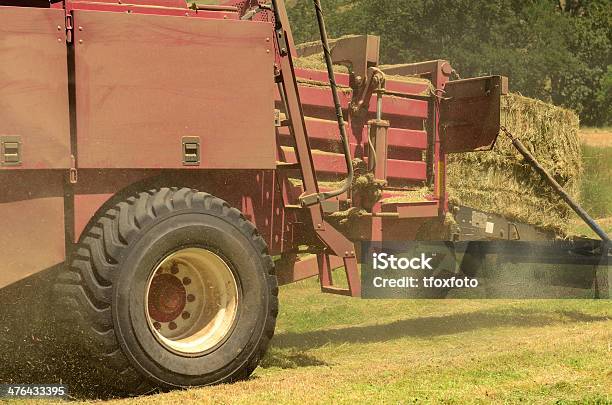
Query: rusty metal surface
{"points": [[151, 9], [470, 117], [143, 82], [34, 86]]}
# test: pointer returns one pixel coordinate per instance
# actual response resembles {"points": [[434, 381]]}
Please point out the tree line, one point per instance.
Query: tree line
{"points": [[556, 51]]}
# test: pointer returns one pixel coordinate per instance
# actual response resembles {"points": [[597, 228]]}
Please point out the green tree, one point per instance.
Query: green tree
{"points": [[557, 51]]}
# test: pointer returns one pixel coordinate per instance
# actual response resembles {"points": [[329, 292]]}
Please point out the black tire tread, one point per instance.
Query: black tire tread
{"points": [[84, 289]]}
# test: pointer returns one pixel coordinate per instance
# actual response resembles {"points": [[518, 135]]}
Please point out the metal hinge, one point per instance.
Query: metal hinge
{"points": [[69, 29]]}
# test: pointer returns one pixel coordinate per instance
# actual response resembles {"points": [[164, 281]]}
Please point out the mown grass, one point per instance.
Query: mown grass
{"points": [[332, 349], [597, 183], [596, 191]]}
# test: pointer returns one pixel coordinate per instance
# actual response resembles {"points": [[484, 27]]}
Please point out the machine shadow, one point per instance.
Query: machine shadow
{"points": [[428, 327], [292, 360]]}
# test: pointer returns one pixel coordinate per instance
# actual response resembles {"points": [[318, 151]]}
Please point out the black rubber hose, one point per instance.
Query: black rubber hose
{"points": [[338, 106]]}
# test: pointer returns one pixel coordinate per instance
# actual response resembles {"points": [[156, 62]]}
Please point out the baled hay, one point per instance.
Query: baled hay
{"points": [[501, 182]]}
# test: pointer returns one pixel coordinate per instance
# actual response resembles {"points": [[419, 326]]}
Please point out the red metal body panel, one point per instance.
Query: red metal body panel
{"points": [[426, 209], [95, 187], [45, 231], [319, 97], [322, 132], [34, 86], [157, 3], [170, 79], [407, 138], [334, 163], [31, 223], [438, 72], [255, 192], [143, 8]]}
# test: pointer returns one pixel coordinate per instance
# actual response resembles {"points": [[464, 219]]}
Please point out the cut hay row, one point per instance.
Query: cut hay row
{"points": [[500, 181]]}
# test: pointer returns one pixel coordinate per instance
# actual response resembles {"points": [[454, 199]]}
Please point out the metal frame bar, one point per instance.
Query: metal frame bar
{"points": [[336, 242]]}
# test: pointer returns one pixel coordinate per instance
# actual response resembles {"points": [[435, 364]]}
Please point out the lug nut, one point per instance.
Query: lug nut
{"points": [[172, 326], [157, 325], [186, 281], [190, 297], [186, 315], [174, 269]]}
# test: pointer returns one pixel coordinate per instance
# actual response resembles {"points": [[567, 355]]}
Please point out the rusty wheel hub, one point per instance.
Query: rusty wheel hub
{"points": [[167, 298]]}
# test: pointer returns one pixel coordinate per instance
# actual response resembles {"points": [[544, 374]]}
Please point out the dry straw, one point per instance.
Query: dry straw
{"points": [[500, 181]]}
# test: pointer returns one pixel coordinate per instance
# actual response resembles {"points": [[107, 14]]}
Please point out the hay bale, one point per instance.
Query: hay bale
{"points": [[316, 62], [500, 181]]}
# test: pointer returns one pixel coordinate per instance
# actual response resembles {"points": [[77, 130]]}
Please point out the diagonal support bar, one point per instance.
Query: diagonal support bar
{"points": [[556, 186], [336, 242]]}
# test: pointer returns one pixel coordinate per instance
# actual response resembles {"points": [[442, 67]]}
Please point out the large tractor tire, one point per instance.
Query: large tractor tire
{"points": [[171, 288]]}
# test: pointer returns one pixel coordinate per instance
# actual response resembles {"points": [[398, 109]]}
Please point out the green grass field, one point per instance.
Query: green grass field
{"points": [[596, 193], [332, 349]]}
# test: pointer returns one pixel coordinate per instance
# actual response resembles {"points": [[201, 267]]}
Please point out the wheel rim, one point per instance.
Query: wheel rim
{"points": [[191, 301]]}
